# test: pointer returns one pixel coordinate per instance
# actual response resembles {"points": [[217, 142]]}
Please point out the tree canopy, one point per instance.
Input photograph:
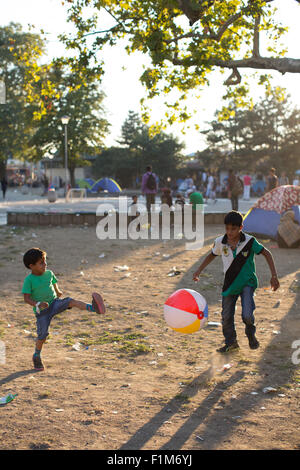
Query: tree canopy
{"points": [[87, 125], [38, 95], [186, 40], [139, 148], [256, 139], [17, 112]]}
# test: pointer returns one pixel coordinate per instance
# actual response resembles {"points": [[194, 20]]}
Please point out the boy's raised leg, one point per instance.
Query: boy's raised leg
{"points": [[97, 304]]}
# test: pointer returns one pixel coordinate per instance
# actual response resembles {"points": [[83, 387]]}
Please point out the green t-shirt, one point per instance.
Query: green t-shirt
{"points": [[196, 198], [41, 287]]}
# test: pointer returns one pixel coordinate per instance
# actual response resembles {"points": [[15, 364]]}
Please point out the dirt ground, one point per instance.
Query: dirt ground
{"points": [[132, 382]]}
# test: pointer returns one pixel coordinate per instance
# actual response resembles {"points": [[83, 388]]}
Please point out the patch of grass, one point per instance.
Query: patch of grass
{"points": [[130, 343], [108, 337], [69, 340], [135, 348], [105, 338], [83, 334], [133, 336]]}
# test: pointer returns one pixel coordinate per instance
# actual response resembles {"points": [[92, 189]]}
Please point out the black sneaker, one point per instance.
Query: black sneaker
{"points": [[228, 348], [37, 362], [253, 343]]}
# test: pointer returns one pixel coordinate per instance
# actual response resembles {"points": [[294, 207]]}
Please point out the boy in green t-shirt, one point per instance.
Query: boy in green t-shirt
{"points": [[237, 250], [41, 291]]}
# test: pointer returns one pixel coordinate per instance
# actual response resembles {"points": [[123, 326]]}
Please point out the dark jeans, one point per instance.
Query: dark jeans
{"points": [[228, 310], [4, 191], [150, 199], [235, 203], [43, 319]]}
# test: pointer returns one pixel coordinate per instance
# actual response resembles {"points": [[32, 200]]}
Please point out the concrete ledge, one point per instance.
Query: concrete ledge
{"points": [[82, 218]]}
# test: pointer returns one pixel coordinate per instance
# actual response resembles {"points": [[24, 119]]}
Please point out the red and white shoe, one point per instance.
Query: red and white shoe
{"points": [[98, 303]]}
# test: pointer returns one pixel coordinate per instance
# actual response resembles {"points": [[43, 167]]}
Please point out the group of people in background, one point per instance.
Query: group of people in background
{"points": [[206, 187], [206, 183]]}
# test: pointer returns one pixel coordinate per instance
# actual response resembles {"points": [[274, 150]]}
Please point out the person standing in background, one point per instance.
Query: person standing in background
{"points": [[166, 197], [4, 185], [235, 189], [272, 180], [195, 198], [247, 187], [149, 187], [210, 186]]}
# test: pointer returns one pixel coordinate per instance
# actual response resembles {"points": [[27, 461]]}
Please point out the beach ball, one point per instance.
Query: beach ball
{"points": [[186, 311]]}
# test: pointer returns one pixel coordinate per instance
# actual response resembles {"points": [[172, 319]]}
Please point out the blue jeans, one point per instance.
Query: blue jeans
{"points": [[228, 310], [44, 318]]}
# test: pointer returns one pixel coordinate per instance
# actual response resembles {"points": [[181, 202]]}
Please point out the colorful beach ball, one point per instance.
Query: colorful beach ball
{"points": [[186, 311]]}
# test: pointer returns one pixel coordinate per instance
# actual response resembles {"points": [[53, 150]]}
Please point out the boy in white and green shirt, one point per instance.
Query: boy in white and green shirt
{"points": [[237, 250]]}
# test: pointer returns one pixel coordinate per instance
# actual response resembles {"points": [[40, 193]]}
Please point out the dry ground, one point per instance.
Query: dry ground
{"points": [[135, 383]]}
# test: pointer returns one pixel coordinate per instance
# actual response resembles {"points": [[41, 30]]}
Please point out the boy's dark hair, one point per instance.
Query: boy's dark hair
{"points": [[233, 218], [32, 256]]}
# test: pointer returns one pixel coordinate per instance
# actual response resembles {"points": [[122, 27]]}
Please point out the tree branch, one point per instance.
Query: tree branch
{"points": [[225, 26], [234, 79], [282, 65]]}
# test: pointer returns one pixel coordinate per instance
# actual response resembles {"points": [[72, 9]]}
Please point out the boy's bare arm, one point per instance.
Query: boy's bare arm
{"points": [[274, 279], [57, 290], [209, 258], [28, 300]]}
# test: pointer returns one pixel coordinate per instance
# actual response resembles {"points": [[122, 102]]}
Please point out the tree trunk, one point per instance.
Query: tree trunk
{"points": [[72, 176], [3, 164]]}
